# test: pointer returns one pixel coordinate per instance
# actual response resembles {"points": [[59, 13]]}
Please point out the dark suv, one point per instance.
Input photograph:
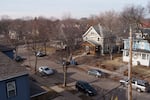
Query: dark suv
{"points": [[85, 87], [19, 59]]}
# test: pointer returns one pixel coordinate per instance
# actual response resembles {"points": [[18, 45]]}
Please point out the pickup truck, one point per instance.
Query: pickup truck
{"points": [[137, 84]]}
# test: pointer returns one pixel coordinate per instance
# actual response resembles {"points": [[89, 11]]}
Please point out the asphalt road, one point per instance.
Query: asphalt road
{"points": [[106, 87]]}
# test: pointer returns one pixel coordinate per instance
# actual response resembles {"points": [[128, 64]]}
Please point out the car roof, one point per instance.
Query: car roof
{"points": [[94, 70]]}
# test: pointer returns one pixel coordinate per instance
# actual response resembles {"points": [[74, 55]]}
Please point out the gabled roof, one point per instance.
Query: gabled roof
{"points": [[144, 30], [102, 31], [5, 48], [146, 24], [9, 68]]}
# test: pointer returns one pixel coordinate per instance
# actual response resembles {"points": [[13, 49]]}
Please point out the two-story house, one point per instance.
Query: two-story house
{"points": [[98, 40], [14, 81], [141, 48]]}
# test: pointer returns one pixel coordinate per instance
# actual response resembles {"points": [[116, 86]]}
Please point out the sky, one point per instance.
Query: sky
{"points": [[60, 8]]}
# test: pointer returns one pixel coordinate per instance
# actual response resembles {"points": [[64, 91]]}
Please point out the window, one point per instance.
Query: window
{"points": [[11, 89], [143, 56], [135, 55], [97, 39], [147, 56], [127, 53]]}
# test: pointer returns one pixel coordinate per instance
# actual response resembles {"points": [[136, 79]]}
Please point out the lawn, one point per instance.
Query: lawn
{"points": [[112, 64], [141, 72], [102, 61]]}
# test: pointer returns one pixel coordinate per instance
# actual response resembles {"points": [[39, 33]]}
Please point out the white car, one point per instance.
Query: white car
{"points": [[46, 70], [40, 54]]}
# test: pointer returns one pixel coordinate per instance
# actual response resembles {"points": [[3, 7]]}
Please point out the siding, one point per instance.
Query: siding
{"points": [[22, 85], [137, 44]]}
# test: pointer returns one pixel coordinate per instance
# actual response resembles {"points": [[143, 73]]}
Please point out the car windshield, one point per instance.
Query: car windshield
{"points": [[18, 57], [88, 86], [46, 68], [99, 71]]}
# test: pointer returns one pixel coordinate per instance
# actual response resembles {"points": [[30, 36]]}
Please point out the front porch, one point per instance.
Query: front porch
{"points": [[138, 58]]}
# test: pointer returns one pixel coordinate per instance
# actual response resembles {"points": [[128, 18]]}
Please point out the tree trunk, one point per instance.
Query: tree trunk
{"points": [[45, 47], [35, 63], [65, 75]]}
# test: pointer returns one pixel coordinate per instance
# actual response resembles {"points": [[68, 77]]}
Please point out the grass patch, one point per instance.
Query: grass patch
{"points": [[115, 62], [111, 64], [140, 72], [50, 49]]}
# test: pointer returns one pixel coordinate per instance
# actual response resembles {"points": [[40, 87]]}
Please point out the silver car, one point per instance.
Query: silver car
{"points": [[95, 72], [46, 70], [137, 84]]}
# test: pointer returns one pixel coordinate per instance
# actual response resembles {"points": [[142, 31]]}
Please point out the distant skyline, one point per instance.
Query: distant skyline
{"points": [[58, 8]]}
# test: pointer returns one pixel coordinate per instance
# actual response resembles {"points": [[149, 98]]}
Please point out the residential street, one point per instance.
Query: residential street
{"points": [[106, 87]]}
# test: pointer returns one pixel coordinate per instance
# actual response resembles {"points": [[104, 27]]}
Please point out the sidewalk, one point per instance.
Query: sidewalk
{"points": [[65, 95]]}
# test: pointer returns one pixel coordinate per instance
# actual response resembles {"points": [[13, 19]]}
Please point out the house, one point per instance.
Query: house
{"points": [[98, 40], [141, 48], [13, 34], [14, 81]]}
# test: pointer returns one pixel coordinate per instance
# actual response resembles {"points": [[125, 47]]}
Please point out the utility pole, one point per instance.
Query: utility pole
{"points": [[35, 45], [130, 68]]}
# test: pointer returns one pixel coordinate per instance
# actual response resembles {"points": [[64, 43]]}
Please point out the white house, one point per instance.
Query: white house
{"points": [[101, 39], [13, 34], [141, 48]]}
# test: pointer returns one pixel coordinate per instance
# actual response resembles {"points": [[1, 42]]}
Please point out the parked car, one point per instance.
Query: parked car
{"points": [[137, 84], [45, 70], [19, 59], [73, 62], [40, 54], [86, 88], [95, 72]]}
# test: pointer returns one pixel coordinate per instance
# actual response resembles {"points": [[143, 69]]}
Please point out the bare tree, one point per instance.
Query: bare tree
{"points": [[133, 15], [148, 6], [109, 20]]}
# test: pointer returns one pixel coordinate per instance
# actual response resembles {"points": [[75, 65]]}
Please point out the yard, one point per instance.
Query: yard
{"points": [[141, 72], [102, 61], [105, 63]]}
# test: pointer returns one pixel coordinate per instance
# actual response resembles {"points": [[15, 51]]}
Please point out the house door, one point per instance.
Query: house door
{"points": [[87, 49], [98, 50]]}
